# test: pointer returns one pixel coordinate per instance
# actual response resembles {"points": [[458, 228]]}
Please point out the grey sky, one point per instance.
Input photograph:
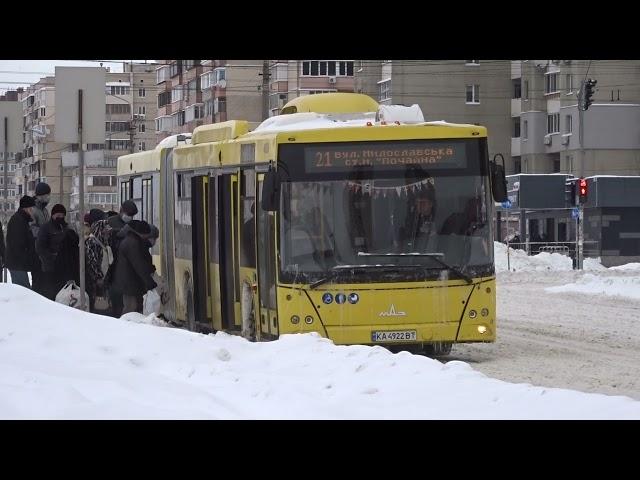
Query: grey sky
{"points": [[16, 73]]}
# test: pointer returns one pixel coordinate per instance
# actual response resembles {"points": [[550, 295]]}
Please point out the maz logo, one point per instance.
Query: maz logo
{"points": [[392, 313]]}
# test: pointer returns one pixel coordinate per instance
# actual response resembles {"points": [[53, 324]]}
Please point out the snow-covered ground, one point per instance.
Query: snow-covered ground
{"points": [[559, 337], [56, 362]]}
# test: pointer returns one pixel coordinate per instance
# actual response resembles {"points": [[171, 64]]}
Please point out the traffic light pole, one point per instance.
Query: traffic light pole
{"points": [[580, 219]]}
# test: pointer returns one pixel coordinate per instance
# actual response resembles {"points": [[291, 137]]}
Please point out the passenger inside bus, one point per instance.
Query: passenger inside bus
{"points": [[417, 233]]}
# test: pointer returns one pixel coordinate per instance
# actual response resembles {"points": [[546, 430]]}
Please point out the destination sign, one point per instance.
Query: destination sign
{"points": [[426, 155]]}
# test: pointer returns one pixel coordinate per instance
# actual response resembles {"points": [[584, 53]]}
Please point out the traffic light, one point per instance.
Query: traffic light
{"points": [[589, 90], [570, 192], [582, 190]]}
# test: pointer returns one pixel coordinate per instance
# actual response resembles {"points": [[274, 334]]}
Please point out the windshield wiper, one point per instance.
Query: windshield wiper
{"points": [[434, 256]]}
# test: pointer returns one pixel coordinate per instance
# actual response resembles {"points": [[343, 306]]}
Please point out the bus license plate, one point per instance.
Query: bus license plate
{"points": [[394, 336]]}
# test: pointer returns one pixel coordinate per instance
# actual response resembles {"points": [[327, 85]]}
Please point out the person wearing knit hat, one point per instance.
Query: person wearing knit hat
{"points": [[27, 202], [57, 210], [49, 245], [128, 210], [20, 253], [134, 267], [96, 214], [40, 217]]}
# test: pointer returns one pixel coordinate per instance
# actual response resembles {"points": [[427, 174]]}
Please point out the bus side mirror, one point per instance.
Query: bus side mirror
{"points": [[498, 180], [270, 191]]}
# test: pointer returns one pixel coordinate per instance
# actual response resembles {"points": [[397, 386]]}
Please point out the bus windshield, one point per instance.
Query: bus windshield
{"points": [[388, 224]]}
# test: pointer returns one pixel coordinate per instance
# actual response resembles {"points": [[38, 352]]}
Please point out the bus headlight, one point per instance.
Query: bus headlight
{"points": [[482, 329], [308, 319], [473, 314], [295, 319]]}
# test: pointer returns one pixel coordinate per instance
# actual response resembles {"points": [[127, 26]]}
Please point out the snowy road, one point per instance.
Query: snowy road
{"points": [[589, 343]]}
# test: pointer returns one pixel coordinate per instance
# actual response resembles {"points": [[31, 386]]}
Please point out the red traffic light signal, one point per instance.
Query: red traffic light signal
{"points": [[582, 190]]}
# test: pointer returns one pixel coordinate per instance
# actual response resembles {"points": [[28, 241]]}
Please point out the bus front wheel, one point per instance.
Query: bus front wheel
{"points": [[438, 349]]}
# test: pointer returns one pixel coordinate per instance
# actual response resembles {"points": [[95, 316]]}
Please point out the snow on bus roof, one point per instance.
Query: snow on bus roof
{"points": [[314, 121]]}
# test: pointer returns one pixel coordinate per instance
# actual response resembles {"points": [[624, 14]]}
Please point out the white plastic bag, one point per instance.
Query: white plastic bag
{"points": [[162, 288], [69, 295], [151, 303]]}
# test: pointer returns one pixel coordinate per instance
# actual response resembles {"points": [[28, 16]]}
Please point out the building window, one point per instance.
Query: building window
{"points": [[472, 62], [142, 92], [219, 74], [517, 88], [164, 98], [118, 144], [525, 130], [473, 93], [176, 94], [556, 165], [516, 127], [525, 90], [119, 90], [141, 146], [42, 111], [142, 110], [568, 124], [517, 166], [103, 181], [551, 83], [325, 68], [141, 128], [116, 126], [385, 90], [553, 123], [569, 82], [122, 108]]}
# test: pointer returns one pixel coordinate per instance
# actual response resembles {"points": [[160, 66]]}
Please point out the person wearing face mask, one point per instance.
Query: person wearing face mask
{"points": [[119, 228], [20, 251], [48, 245], [40, 217]]}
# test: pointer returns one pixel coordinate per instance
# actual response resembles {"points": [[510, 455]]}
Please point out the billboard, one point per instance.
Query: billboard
{"points": [[12, 111], [69, 80]]}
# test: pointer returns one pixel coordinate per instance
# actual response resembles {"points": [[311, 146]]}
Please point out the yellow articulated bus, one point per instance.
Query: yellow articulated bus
{"points": [[360, 222]]}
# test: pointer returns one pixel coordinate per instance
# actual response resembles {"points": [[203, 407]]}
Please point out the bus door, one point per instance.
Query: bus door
{"points": [[266, 256], [248, 272], [166, 231], [202, 288], [228, 250]]}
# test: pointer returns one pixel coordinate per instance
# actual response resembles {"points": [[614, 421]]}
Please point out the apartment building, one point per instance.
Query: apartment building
{"points": [[289, 79], [457, 91], [197, 92], [546, 120], [130, 107]]}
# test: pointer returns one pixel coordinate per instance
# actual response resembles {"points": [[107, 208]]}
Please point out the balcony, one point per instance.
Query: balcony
{"points": [[516, 107], [515, 146]]}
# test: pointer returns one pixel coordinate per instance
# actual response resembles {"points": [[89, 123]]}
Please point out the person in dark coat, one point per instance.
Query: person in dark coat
{"points": [[117, 223], [49, 244], [134, 269], [20, 254], [40, 217]]}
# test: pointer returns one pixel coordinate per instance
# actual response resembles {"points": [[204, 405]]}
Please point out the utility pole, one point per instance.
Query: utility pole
{"points": [[81, 206], [265, 90], [6, 177]]}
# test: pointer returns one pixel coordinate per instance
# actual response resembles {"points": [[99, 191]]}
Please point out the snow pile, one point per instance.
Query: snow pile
{"points": [[593, 265], [597, 285], [61, 363], [627, 267], [520, 261]]}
